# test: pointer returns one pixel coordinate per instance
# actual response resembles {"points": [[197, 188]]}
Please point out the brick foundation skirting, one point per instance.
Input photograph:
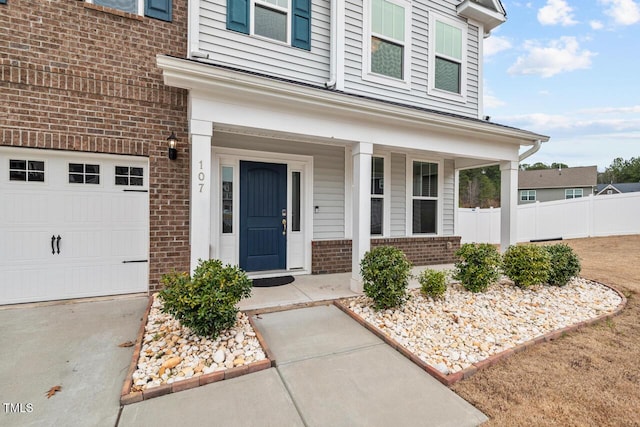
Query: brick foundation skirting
{"points": [[334, 256]]}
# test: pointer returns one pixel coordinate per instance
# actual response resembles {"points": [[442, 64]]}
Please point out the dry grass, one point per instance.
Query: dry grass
{"points": [[587, 378]]}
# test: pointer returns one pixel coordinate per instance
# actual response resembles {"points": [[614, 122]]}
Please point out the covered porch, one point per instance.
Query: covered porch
{"points": [[338, 173]]}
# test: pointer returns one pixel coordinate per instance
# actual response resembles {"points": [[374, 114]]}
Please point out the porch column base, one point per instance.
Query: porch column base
{"points": [[356, 285]]}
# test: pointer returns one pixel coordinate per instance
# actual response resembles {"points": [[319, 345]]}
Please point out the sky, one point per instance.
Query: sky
{"points": [[569, 69]]}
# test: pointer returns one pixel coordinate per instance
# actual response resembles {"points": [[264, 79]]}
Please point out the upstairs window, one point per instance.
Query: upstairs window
{"points": [[573, 193], [386, 41], [527, 195], [448, 57], [158, 9], [286, 21]]}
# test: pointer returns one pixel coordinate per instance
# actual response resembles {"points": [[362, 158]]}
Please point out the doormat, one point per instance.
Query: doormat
{"points": [[272, 281]]}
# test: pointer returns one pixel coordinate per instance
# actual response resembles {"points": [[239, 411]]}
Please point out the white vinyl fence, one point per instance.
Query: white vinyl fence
{"points": [[607, 215]]}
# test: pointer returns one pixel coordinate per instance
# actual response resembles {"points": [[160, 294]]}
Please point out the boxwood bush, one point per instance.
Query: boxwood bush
{"points": [[385, 273], [526, 265], [565, 264], [478, 266], [206, 302], [433, 283]]}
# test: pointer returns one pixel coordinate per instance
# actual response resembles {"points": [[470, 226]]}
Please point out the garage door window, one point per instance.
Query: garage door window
{"points": [[80, 173], [26, 170], [132, 176]]}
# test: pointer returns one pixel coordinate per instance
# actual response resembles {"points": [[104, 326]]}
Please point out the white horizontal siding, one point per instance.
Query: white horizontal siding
{"points": [[419, 66], [262, 55], [328, 177], [398, 195]]}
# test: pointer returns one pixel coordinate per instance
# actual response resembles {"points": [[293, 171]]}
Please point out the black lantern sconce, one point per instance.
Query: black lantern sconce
{"points": [[173, 142]]}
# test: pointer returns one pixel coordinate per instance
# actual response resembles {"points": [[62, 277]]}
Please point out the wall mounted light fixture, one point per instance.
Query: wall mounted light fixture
{"points": [[173, 142]]}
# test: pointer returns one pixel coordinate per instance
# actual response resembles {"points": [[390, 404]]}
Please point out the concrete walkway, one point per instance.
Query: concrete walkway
{"points": [[331, 372]]}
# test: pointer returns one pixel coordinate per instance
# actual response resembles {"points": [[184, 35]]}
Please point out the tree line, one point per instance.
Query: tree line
{"points": [[481, 187]]}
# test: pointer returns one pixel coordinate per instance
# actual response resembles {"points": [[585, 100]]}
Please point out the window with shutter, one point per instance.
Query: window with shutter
{"points": [[285, 21], [157, 9]]}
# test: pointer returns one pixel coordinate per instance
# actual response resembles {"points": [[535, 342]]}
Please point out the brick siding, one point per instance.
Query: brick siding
{"points": [[334, 256], [80, 77]]}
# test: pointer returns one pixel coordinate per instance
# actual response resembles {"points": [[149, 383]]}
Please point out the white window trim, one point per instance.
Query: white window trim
{"points": [[267, 5], [432, 90], [367, 74], [386, 196], [528, 193], [140, 7], [410, 197], [27, 182]]}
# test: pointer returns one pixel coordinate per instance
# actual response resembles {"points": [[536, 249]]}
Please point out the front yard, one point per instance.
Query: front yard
{"points": [[588, 377]]}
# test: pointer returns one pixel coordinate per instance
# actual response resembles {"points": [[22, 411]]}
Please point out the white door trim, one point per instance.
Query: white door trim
{"points": [[223, 245]]}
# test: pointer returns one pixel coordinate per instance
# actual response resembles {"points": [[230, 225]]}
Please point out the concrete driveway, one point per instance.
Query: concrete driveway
{"points": [[71, 345]]}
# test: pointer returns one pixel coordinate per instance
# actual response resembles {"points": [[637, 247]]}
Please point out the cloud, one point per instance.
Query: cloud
{"points": [[596, 25], [556, 12], [494, 45], [562, 55], [623, 12], [612, 110]]}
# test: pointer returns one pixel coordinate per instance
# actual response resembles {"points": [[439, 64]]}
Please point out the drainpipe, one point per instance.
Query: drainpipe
{"points": [[333, 46], [531, 151]]}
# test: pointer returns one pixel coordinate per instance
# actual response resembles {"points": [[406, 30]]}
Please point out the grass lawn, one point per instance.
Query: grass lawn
{"points": [[588, 377]]}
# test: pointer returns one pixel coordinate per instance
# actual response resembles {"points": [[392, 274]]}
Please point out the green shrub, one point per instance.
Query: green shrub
{"points": [[433, 283], [206, 303], [526, 265], [478, 266], [565, 264], [385, 272]]}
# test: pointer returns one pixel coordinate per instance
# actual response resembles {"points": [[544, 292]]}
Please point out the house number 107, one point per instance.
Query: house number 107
{"points": [[201, 177]]}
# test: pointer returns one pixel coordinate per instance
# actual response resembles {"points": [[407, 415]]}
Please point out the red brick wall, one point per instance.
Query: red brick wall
{"points": [[78, 77], [334, 256]]}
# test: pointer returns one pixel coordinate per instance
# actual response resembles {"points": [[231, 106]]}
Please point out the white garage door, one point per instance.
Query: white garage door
{"points": [[72, 225]]}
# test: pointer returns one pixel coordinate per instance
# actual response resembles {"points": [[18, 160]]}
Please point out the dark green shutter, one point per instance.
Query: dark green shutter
{"points": [[158, 9], [301, 24], [238, 15]]}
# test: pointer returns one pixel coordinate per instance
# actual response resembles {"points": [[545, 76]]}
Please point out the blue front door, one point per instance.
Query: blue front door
{"points": [[263, 214]]}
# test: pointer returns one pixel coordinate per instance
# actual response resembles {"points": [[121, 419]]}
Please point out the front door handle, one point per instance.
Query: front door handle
{"points": [[53, 239], [284, 226], [57, 243]]}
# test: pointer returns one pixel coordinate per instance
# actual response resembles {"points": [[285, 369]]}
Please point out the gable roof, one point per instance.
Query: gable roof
{"points": [[623, 187], [584, 176]]}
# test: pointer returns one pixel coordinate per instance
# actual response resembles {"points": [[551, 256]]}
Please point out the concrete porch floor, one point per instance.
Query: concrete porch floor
{"points": [[309, 288]]}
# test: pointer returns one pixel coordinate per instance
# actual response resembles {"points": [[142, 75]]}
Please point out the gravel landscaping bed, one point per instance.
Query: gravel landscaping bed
{"points": [[463, 328], [171, 352]]}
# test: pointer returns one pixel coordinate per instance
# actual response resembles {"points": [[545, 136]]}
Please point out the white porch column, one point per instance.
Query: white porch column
{"points": [[201, 133], [361, 230], [508, 204]]}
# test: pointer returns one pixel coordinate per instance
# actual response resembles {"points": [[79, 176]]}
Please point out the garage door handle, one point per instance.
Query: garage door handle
{"points": [[58, 243], [53, 239]]}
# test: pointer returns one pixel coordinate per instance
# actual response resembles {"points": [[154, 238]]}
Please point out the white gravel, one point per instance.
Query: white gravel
{"points": [[171, 352], [463, 328]]}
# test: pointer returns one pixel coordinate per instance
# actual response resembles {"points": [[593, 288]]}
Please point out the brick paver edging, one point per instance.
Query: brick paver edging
{"points": [[451, 379], [127, 396]]}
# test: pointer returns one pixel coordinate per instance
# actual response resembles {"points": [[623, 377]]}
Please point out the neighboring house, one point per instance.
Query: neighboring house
{"points": [[308, 132], [556, 184], [623, 187]]}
